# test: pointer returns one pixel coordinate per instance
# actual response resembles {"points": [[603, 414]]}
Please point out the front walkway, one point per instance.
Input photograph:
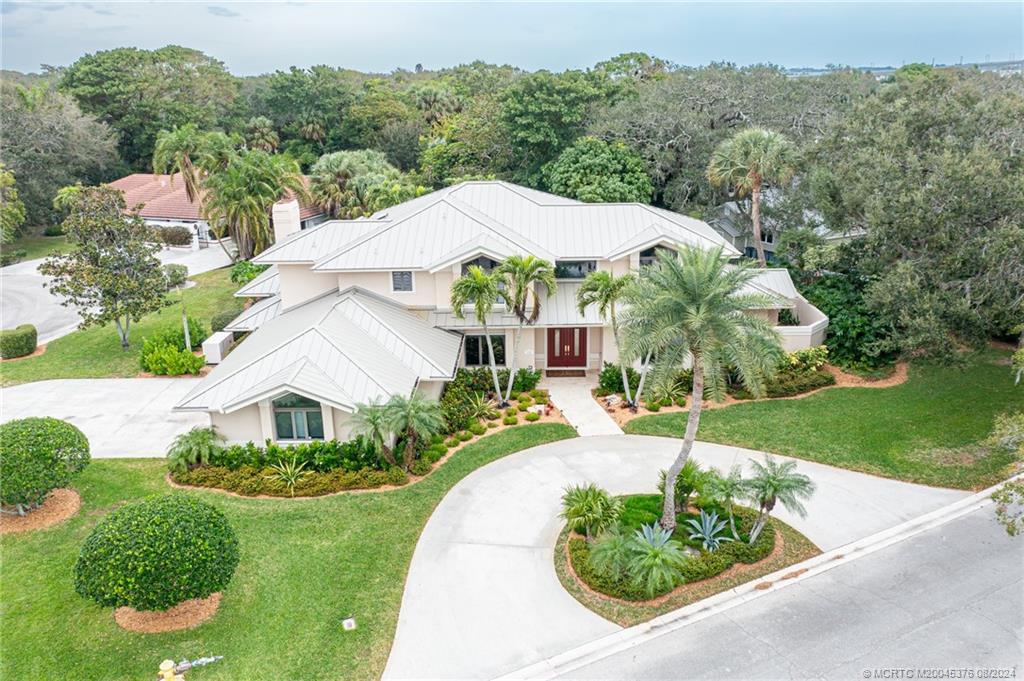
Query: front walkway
{"points": [[121, 416], [482, 598], [573, 396]]}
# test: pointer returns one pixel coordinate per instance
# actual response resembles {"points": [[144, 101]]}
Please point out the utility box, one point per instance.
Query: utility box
{"points": [[216, 346]]}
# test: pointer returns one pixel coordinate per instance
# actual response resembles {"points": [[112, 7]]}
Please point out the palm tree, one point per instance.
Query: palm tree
{"points": [[726, 489], [261, 134], [479, 289], [371, 421], [688, 307], [239, 198], [194, 448], [604, 289], [335, 178], [746, 161], [777, 482], [177, 151], [417, 418], [521, 276]]}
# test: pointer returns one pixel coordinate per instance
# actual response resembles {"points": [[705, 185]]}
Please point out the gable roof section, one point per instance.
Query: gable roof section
{"points": [[255, 315], [340, 349], [307, 245], [776, 284], [266, 284]]}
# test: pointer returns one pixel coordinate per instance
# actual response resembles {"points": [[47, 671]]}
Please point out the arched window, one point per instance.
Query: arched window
{"points": [[298, 418]]}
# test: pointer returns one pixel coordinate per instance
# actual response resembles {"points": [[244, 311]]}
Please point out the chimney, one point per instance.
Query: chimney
{"points": [[286, 219]]}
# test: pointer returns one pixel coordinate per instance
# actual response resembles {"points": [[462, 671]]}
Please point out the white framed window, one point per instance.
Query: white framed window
{"points": [[298, 418], [476, 350], [649, 256], [574, 269], [401, 281]]}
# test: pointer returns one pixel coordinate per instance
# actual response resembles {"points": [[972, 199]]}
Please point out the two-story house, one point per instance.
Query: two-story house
{"points": [[352, 311]]}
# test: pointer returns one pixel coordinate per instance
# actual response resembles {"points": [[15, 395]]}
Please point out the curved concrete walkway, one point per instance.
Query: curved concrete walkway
{"points": [[482, 597]]}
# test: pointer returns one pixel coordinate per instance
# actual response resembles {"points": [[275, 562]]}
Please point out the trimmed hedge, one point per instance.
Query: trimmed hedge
{"points": [[252, 481], [174, 235], [221, 319], [321, 456], [18, 342], [788, 384], [166, 360], [38, 455], [175, 274], [156, 553]]}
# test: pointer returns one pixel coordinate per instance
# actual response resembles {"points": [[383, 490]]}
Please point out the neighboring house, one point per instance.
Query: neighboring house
{"points": [[164, 203], [352, 311]]}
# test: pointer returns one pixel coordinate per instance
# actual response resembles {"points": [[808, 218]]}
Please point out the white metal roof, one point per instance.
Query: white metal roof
{"points": [[255, 315], [266, 284], [775, 283], [340, 348], [558, 310]]}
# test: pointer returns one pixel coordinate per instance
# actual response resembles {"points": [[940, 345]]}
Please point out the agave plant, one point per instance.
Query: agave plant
{"points": [[288, 472], [480, 408], [709, 530], [589, 509], [655, 560]]}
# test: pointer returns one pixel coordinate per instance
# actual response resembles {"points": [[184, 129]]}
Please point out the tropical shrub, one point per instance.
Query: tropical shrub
{"points": [[477, 429], [457, 406], [18, 342], [855, 333], [610, 379], [655, 560], [532, 416], [589, 510], [37, 456], [175, 335], [452, 442], [252, 481], [289, 473], [421, 467], [318, 455], [480, 407], [788, 384], [175, 274], [156, 553], [669, 388], [221, 319], [173, 235], [464, 436], [805, 361], [197, 447], [54, 230], [691, 479], [243, 271], [709, 530], [164, 359], [510, 420]]}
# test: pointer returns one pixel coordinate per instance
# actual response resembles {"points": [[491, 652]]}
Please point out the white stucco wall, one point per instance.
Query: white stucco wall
{"points": [[239, 426], [299, 284], [428, 289]]}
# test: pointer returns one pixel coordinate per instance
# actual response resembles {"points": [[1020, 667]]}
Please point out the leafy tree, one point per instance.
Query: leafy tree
{"points": [[112, 274], [479, 289], [12, 210], [746, 162], [605, 290], [400, 142], [373, 109], [596, 171], [522, 275], [471, 143], [688, 308], [416, 418], [48, 143], [239, 198], [776, 482], [260, 134], [306, 104], [140, 92]]}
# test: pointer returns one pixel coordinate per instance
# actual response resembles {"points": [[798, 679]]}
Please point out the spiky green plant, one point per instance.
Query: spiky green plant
{"points": [[194, 448], [777, 482], [656, 559], [289, 472], [708, 529], [590, 509]]}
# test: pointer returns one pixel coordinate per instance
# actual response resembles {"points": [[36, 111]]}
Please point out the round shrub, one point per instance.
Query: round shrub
{"points": [[465, 436], [38, 455], [478, 429], [436, 439], [221, 319], [175, 274], [524, 407], [492, 424], [511, 411], [510, 420], [533, 416], [18, 342], [524, 397], [421, 467], [452, 442], [54, 230], [653, 406], [174, 235], [156, 553]]}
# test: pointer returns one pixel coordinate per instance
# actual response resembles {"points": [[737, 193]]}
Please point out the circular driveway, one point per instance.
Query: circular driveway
{"points": [[482, 598]]}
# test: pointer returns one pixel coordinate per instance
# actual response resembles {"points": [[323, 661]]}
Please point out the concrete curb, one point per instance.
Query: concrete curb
{"points": [[625, 639]]}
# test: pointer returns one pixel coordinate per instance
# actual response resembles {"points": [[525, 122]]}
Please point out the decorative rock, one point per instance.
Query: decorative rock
{"points": [[612, 400], [536, 409]]}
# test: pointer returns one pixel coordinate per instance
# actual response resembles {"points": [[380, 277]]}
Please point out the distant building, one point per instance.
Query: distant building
{"points": [[164, 203]]}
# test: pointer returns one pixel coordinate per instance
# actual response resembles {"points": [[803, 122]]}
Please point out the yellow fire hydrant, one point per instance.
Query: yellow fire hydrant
{"points": [[167, 672]]}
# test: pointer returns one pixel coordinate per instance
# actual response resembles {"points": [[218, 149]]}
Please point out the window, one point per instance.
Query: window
{"points": [[767, 237], [401, 281], [298, 418], [483, 262], [476, 350], [649, 256], [574, 269]]}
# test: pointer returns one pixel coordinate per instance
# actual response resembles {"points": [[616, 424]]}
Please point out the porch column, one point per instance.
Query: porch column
{"points": [[328, 416], [266, 420]]}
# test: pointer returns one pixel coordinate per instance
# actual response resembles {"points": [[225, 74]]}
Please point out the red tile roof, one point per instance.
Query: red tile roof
{"points": [[164, 197]]}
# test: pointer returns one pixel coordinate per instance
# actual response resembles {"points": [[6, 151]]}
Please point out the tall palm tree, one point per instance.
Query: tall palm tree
{"points": [[746, 161], [777, 482], [177, 151], [417, 418], [479, 289], [372, 422], [604, 289], [261, 135], [335, 178], [689, 307], [521, 276], [726, 490], [239, 198]]}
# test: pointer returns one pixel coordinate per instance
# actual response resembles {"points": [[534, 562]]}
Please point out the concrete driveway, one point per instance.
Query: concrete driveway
{"points": [[482, 598], [128, 417], [24, 299]]}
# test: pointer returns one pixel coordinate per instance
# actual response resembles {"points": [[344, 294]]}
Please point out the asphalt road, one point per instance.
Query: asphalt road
{"points": [[948, 603]]}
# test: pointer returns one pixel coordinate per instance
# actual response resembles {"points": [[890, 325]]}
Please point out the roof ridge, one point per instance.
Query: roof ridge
{"points": [[355, 299], [530, 246]]}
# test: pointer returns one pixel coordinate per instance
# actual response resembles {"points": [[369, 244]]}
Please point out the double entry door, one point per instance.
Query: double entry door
{"points": [[567, 347]]}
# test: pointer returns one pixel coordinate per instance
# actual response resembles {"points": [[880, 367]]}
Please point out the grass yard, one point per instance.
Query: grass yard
{"points": [[925, 430], [305, 564], [96, 352], [38, 246]]}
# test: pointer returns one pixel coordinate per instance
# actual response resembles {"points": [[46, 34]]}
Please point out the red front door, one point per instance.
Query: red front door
{"points": [[567, 347]]}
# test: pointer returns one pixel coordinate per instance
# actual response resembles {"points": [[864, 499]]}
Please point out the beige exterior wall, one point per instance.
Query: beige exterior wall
{"points": [[427, 288], [431, 389], [239, 426], [299, 284], [770, 316]]}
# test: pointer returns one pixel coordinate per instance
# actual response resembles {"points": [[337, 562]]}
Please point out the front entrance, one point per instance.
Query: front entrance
{"points": [[567, 347]]}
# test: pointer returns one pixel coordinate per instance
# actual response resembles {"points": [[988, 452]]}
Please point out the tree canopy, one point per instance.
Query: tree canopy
{"points": [[596, 171]]}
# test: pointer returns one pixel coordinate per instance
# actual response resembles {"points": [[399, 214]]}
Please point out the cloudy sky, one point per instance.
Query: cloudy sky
{"points": [[254, 38]]}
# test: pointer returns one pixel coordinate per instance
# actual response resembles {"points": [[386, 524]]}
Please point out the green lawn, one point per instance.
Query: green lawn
{"points": [[305, 564], [38, 246], [924, 430], [97, 353]]}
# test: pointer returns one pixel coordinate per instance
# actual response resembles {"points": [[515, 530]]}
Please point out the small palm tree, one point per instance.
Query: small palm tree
{"points": [[479, 289], [417, 418], [522, 275], [177, 151], [590, 509], [773, 483], [690, 479], [746, 161], [726, 490], [689, 307], [260, 134], [194, 448], [656, 560], [610, 554], [371, 421], [605, 290]]}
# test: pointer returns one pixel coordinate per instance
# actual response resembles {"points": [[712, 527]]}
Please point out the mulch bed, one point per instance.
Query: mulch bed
{"points": [[40, 349], [185, 615], [60, 505]]}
